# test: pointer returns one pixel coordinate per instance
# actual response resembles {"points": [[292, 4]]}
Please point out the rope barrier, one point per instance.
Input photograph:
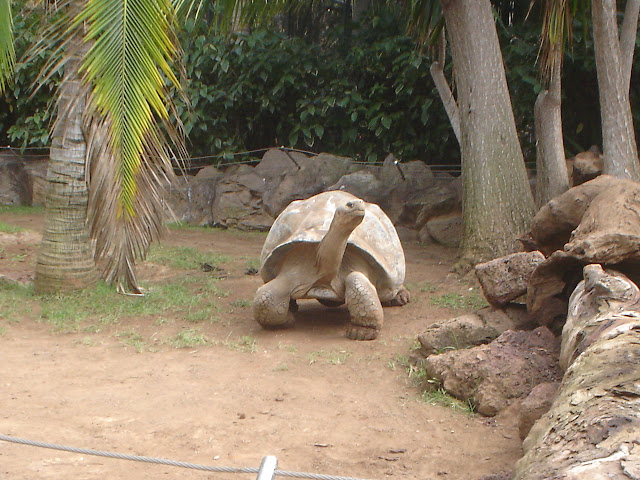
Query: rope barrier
{"points": [[446, 168], [163, 461]]}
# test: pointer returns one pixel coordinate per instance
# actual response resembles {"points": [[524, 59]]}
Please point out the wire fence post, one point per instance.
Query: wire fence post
{"points": [[267, 468]]}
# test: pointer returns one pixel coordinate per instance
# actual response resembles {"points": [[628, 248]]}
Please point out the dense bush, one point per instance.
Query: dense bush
{"points": [[25, 116], [266, 90]]}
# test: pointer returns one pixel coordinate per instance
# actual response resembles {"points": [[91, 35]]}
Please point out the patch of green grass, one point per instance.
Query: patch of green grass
{"points": [[133, 339], [333, 357], [245, 344], [242, 303], [8, 228], [288, 348], [459, 302], [439, 396], [186, 258], [104, 306], [21, 209], [253, 264], [283, 367], [16, 301], [188, 338], [424, 287], [185, 226]]}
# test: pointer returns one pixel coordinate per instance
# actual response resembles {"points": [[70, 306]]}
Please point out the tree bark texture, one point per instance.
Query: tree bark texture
{"points": [[65, 260], [592, 430], [552, 178], [618, 137], [497, 201]]}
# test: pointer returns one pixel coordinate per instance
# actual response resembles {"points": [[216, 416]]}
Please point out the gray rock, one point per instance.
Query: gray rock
{"points": [[238, 201], [364, 184], [315, 175], [191, 199], [445, 229], [506, 278], [15, 187]]}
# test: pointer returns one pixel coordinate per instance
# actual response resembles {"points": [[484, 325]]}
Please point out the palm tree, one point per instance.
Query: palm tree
{"points": [[112, 133]]}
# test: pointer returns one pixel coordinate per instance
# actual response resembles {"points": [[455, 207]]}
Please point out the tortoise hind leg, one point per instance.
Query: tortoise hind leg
{"points": [[364, 307], [273, 307]]}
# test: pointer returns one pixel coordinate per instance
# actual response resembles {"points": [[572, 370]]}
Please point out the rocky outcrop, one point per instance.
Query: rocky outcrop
{"points": [[422, 204], [495, 375]]}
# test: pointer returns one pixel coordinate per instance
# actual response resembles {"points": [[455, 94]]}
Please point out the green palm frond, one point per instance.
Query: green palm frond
{"points": [[7, 52], [127, 70]]}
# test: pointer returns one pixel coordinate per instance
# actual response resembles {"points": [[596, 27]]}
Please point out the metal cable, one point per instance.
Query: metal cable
{"points": [[172, 463]]}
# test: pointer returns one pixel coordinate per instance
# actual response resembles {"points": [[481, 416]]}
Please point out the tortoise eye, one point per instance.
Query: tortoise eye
{"points": [[350, 204]]}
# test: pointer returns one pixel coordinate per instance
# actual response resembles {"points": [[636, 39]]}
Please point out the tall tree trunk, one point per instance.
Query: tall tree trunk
{"points": [[612, 64], [65, 260], [592, 430], [552, 178], [498, 204]]}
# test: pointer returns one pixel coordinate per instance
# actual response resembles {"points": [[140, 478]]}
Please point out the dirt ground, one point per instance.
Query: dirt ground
{"points": [[317, 401]]}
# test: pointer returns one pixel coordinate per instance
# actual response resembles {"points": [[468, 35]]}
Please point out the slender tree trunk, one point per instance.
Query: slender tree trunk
{"points": [[498, 204], [552, 178], [592, 430], [613, 67], [450, 105], [65, 260]]}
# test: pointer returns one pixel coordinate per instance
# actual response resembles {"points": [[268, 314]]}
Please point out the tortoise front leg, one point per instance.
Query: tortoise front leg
{"points": [[273, 306], [364, 307]]}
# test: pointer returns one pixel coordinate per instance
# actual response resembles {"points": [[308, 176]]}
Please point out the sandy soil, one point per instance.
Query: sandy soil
{"points": [[317, 401]]}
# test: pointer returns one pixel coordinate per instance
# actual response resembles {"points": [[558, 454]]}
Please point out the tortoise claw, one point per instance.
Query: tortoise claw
{"points": [[358, 332]]}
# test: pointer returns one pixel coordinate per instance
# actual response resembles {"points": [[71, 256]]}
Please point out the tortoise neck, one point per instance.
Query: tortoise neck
{"points": [[331, 249]]}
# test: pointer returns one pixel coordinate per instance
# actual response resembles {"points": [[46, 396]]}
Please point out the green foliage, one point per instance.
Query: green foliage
{"points": [[25, 116], [183, 257], [459, 302], [8, 228], [267, 89]]}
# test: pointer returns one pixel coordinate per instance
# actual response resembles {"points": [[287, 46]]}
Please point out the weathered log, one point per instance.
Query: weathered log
{"points": [[592, 430]]}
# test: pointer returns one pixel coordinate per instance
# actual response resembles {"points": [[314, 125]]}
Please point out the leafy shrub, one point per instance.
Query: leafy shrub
{"points": [[25, 117], [266, 89]]}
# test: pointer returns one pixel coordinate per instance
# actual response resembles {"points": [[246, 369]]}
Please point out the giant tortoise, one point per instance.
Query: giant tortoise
{"points": [[336, 248]]}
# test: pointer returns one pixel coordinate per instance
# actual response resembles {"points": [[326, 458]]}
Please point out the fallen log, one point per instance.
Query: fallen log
{"points": [[592, 430]]}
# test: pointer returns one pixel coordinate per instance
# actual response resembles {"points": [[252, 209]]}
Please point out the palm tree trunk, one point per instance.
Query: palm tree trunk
{"points": [[65, 261]]}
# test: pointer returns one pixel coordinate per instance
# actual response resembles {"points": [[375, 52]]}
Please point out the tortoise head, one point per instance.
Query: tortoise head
{"points": [[349, 215]]}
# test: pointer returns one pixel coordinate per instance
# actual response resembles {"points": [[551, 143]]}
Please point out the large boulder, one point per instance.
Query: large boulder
{"points": [[308, 177], [472, 329], [364, 184], [191, 198], [444, 229], [238, 201], [493, 376], [506, 278], [15, 187]]}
